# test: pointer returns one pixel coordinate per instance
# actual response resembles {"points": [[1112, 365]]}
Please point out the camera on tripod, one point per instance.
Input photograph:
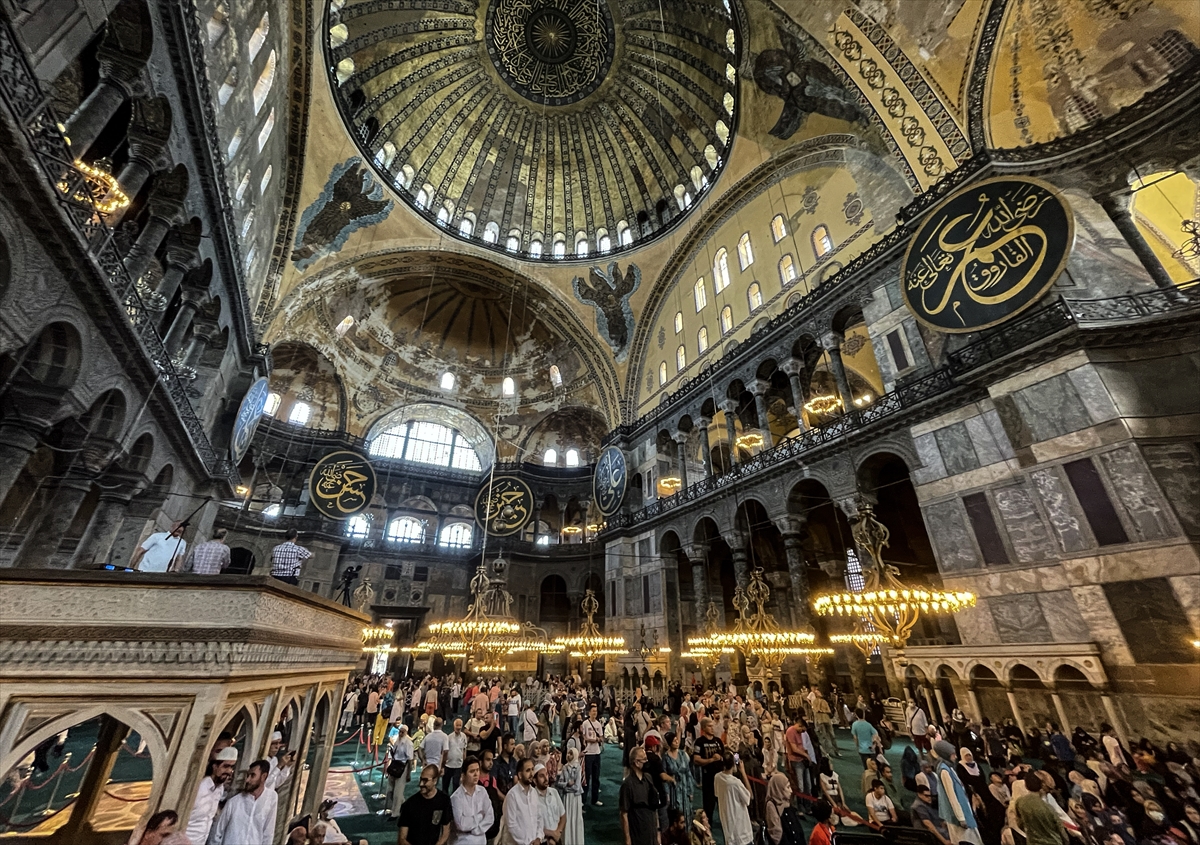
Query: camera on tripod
{"points": [[349, 575]]}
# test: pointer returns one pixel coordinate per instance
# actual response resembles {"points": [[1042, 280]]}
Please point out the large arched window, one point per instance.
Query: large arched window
{"points": [[456, 535], [358, 526], [680, 358], [754, 295], [268, 127], [259, 37], [272, 405], [778, 228], [406, 529], [266, 79], [678, 322], [745, 251], [555, 375], [726, 319], [550, 458], [822, 243], [700, 294], [662, 373], [787, 270], [508, 387], [300, 413], [702, 340], [721, 270], [426, 443], [572, 457]]}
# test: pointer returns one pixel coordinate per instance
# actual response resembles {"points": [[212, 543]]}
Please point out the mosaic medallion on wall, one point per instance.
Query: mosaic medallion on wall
{"points": [[341, 485], [504, 505]]}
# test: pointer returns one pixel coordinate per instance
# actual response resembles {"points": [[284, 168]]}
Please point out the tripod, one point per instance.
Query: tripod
{"points": [[349, 576], [187, 521]]}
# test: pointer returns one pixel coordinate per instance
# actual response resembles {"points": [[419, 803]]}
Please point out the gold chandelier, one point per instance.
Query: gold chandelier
{"points": [[701, 650], [886, 609], [378, 640], [823, 404], [590, 643], [749, 440], [757, 635], [98, 187]]}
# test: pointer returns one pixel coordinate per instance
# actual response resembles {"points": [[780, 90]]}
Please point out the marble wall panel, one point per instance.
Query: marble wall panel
{"points": [[976, 626], [991, 418], [1052, 408], [1187, 590], [1019, 619], [1150, 616], [1027, 531], [1176, 466], [986, 448], [1062, 615], [1094, 608], [958, 453], [1068, 529], [1009, 415], [1137, 493], [932, 468], [951, 538], [1093, 394]]}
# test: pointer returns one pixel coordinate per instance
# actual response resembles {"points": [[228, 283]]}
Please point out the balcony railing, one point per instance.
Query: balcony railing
{"points": [[78, 197]]}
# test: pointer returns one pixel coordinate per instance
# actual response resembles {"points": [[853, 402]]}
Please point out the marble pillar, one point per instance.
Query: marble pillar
{"points": [[117, 84], [182, 322], [97, 540], [705, 448], [680, 439], [832, 343], [47, 531], [1116, 205], [759, 388], [17, 443]]}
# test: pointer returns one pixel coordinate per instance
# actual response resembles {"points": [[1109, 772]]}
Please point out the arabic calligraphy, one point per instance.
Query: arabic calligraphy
{"points": [[987, 253], [341, 484], [248, 417], [608, 484], [504, 506]]}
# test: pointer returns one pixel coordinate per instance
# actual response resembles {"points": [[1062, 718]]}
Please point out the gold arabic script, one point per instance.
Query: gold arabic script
{"points": [[344, 485]]}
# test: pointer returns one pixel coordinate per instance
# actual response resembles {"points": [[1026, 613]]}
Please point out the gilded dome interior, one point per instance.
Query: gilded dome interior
{"points": [[551, 129]]}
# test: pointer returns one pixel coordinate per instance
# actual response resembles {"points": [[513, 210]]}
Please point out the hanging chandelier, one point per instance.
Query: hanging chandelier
{"points": [[885, 604], [750, 440], [757, 635], [701, 650], [378, 641], [590, 642]]}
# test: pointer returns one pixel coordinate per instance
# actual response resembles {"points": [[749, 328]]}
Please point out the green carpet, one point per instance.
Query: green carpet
{"points": [[603, 824]]}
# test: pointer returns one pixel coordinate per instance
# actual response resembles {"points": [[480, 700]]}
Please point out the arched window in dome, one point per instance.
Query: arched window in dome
{"points": [[687, 200], [778, 228], [272, 405], [300, 413], [259, 37], [581, 243], [745, 251], [218, 23], [247, 223], [443, 215], [680, 358], [268, 127], [406, 529], [422, 199], [722, 132], [754, 296], [226, 89], [491, 232], [456, 535], [358, 526], [266, 179], [447, 382], [624, 234], [572, 457], [662, 373], [726, 319], [248, 261], [235, 144], [787, 270], [266, 80], [822, 242], [513, 244], [711, 157], [731, 41], [425, 443], [678, 322], [721, 270], [242, 187], [344, 70], [508, 387], [702, 340], [698, 180], [406, 175], [700, 294], [555, 375], [559, 249], [603, 241], [386, 155], [728, 103], [550, 458], [731, 74], [338, 35], [466, 226], [535, 249], [680, 192]]}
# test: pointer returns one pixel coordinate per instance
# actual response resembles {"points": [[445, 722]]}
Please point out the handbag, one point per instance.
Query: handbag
{"points": [[395, 769]]}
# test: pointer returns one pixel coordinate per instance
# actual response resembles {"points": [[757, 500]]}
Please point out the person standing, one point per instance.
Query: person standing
{"points": [[425, 818], [593, 744], [552, 812], [529, 723], [678, 768], [866, 738], [249, 816], [472, 806], [639, 802], [210, 558], [287, 557], [918, 725], [570, 779], [436, 746], [953, 804], [823, 717], [733, 798], [397, 770], [1038, 821], [210, 793], [161, 551], [456, 753], [799, 753], [513, 710], [522, 809], [708, 755]]}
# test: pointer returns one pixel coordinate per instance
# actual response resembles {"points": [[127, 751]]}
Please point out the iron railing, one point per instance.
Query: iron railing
{"points": [[77, 197], [1131, 307]]}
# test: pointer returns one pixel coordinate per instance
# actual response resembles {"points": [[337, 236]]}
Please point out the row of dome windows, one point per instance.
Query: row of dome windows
{"points": [[406, 529]]}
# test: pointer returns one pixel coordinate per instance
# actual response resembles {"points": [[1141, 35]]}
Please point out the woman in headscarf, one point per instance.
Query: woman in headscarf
{"points": [[570, 780], [701, 829], [779, 798], [677, 765], [970, 775]]}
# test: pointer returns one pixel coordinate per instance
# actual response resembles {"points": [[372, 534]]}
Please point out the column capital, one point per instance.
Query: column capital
{"points": [[680, 437], [791, 525], [736, 539], [123, 71], [759, 387], [831, 341], [704, 422], [696, 552], [792, 367], [729, 406]]}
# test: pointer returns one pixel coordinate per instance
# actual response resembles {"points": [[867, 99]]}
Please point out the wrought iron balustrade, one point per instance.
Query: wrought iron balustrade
{"points": [[1137, 306], [79, 197]]}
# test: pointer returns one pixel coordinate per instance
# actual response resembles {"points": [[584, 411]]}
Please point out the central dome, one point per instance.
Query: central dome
{"points": [[548, 129]]}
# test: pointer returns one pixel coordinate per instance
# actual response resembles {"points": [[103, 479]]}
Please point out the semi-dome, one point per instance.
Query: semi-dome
{"points": [[552, 129]]}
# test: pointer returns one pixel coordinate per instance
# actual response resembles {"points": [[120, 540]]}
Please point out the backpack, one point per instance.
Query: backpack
{"points": [[793, 830]]}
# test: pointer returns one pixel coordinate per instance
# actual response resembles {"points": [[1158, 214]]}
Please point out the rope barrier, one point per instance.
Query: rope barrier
{"points": [[82, 762], [16, 792], [357, 736], [7, 822], [367, 769], [49, 780], [126, 800]]}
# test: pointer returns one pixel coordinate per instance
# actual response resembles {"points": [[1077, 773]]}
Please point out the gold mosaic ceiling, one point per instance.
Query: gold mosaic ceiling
{"points": [[553, 129]]}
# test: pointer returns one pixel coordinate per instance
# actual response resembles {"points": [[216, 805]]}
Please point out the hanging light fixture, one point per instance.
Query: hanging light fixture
{"points": [[823, 405], [590, 642], [885, 603], [749, 440], [646, 650], [703, 651]]}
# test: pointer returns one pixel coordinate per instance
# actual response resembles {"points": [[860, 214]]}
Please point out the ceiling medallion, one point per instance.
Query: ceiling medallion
{"points": [[552, 52]]}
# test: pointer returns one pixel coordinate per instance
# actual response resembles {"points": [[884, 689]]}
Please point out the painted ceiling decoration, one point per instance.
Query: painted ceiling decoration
{"points": [[552, 129], [351, 200], [608, 293]]}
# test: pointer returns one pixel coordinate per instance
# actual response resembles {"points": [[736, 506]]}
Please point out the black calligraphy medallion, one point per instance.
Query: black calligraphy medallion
{"points": [[248, 417], [610, 480], [987, 253], [341, 485], [504, 505]]}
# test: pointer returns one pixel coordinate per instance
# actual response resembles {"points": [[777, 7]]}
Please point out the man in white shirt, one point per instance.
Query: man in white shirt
{"points": [[879, 806], [553, 812], [401, 753], [210, 793], [434, 746], [278, 773], [733, 801], [249, 816], [529, 723], [456, 753], [593, 744], [473, 813], [474, 725], [514, 712], [161, 550], [523, 809]]}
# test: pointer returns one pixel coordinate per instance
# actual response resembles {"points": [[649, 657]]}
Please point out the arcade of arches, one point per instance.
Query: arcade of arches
{"points": [[416, 232]]}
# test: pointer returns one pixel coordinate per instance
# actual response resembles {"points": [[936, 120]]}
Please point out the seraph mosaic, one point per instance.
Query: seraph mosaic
{"points": [[609, 292], [805, 85], [351, 200]]}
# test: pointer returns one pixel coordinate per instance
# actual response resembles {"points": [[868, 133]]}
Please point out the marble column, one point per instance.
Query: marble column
{"points": [[161, 216], [680, 439], [976, 709], [181, 255], [1116, 205], [46, 533], [741, 556], [17, 443], [760, 388], [832, 344], [1064, 724], [858, 672], [934, 699], [729, 407], [795, 372], [793, 547], [1110, 710], [697, 555], [1012, 702], [118, 78], [941, 701], [97, 540], [705, 448], [183, 321]]}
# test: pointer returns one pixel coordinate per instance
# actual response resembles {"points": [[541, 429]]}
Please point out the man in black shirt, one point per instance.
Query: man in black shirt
{"points": [[708, 755], [425, 818], [639, 803], [489, 734], [653, 769]]}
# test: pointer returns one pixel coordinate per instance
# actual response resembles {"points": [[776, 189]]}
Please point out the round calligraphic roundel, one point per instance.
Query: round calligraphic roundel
{"points": [[504, 506], [610, 480], [341, 485], [986, 253], [248, 417]]}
